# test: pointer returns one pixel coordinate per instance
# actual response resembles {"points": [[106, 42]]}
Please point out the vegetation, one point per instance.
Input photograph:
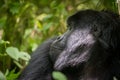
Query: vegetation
{"points": [[26, 23]]}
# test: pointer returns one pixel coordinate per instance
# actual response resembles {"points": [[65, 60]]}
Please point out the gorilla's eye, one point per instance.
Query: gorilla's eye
{"points": [[94, 28], [96, 31], [59, 38]]}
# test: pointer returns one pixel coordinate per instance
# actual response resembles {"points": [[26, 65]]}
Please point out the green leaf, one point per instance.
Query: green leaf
{"points": [[114, 78], [59, 76], [14, 8], [16, 54], [12, 52], [12, 75], [2, 77], [47, 26], [25, 56]]}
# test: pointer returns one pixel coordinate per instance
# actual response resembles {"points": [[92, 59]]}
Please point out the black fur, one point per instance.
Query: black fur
{"points": [[89, 50]]}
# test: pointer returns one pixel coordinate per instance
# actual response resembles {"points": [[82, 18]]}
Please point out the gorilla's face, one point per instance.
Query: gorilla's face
{"points": [[86, 33], [78, 44]]}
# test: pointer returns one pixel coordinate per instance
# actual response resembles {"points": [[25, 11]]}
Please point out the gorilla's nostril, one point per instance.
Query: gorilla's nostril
{"points": [[58, 37]]}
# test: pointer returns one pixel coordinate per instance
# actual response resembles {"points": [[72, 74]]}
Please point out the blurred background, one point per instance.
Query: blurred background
{"points": [[24, 24]]}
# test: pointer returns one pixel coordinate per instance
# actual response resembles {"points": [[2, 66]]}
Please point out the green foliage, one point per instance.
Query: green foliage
{"points": [[2, 77], [2, 21], [16, 55], [59, 76], [14, 8], [3, 47], [11, 75]]}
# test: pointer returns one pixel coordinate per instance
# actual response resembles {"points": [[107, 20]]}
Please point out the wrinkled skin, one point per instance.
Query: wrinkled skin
{"points": [[88, 50]]}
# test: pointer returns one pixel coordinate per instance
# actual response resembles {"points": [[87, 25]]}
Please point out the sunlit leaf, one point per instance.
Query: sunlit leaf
{"points": [[12, 52], [59, 76], [16, 54]]}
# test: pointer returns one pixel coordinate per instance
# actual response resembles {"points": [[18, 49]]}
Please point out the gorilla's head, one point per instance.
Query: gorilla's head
{"points": [[92, 38]]}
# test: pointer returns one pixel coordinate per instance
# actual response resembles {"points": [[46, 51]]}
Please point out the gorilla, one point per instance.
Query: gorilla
{"points": [[88, 50]]}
